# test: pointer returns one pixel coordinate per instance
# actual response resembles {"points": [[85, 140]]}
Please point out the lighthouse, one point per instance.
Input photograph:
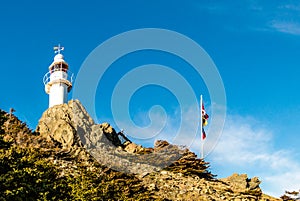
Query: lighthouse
{"points": [[58, 81]]}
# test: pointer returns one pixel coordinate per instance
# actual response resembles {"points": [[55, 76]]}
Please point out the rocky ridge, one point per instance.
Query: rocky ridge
{"points": [[71, 127], [165, 172]]}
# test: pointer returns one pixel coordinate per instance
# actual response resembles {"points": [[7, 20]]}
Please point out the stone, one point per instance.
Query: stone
{"points": [[111, 134], [152, 187], [131, 147], [71, 128], [254, 183], [241, 184]]}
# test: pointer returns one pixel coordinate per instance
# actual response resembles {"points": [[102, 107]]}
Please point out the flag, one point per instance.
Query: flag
{"points": [[203, 134], [204, 120], [204, 116]]}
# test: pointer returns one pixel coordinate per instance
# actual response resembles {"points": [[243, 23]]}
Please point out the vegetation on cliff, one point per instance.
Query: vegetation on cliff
{"points": [[53, 163], [43, 171]]}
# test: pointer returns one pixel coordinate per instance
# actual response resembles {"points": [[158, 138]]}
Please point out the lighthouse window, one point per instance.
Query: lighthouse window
{"points": [[58, 67]]}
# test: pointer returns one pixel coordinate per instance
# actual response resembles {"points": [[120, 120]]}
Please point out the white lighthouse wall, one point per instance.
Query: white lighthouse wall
{"points": [[56, 75], [58, 94], [58, 91]]}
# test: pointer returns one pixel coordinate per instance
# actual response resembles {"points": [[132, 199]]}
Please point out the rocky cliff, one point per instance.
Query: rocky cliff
{"points": [[108, 166]]}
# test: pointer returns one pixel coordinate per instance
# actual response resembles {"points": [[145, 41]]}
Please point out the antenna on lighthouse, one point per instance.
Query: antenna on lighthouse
{"points": [[58, 82], [58, 49]]}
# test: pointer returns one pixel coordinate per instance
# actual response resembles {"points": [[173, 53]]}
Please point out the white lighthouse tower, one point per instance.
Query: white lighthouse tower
{"points": [[57, 81]]}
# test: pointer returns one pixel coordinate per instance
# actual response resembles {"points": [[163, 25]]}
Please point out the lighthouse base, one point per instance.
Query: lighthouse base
{"points": [[58, 94]]}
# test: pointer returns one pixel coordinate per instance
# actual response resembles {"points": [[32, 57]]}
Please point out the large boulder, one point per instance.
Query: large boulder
{"points": [[240, 183], [70, 127], [62, 124]]}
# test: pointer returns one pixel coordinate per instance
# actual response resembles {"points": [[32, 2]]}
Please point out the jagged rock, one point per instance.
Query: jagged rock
{"points": [[176, 186], [254, 183], [111, 134], [95, 137], [242, 184], [160, 144], [187, 178], [107, 128], [187, 163], [52, 120], [66, 125], [131, 147], [70, 126]]}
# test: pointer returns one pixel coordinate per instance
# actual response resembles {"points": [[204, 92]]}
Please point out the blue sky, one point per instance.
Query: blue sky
{"points": [[254, 45]]}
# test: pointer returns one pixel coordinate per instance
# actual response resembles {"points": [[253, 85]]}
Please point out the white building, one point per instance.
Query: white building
{"points": [[58, 82]]}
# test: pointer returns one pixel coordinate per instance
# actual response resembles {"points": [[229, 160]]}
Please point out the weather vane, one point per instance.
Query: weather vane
{"points": [[58, 49]]}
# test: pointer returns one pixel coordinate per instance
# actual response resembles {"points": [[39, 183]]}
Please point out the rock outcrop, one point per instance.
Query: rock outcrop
{"points": [[176, 186], [241, 184], [167, 171], [71, 127]]}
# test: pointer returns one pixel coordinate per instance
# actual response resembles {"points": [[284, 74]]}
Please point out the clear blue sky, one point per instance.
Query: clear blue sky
{"points": [[254, 44]]}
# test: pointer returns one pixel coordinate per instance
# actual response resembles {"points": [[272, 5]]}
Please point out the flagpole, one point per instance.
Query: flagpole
{"points": [[201, 128]]}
